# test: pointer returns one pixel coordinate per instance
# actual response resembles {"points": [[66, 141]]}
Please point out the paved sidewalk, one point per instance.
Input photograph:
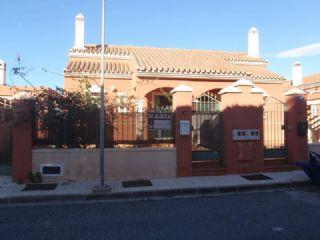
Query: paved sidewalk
{"points": [[12, 192]]}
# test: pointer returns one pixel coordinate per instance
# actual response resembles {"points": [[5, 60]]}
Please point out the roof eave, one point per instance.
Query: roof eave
{"points": [[191, 76], [98, 75]]}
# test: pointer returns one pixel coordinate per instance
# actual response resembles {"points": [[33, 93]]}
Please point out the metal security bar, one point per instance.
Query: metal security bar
{"points": [[206, 131], [122, 129], [274, 130], [206, 103], [314, 124], [274, 136]]}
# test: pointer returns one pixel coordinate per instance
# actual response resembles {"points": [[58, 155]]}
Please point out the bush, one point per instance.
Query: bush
{"points": [[31, 177], [38, 177], [35, 177]]}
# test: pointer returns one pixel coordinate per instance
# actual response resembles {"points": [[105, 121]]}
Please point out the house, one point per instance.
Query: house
{"points": [[219, 112], [311, 85], [149, 74]]}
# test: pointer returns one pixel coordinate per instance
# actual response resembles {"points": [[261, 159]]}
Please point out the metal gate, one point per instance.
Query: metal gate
{"points": [[206, 129], [5, 138], [274, 126]]}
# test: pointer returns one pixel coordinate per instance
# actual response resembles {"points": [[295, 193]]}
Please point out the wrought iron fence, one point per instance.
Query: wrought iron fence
{"points": [[206, 131], [274, 123], [313, 128], [122, 129]]}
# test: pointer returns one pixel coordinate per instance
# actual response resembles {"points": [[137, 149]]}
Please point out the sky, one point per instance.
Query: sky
{"points": [[42, 32]]}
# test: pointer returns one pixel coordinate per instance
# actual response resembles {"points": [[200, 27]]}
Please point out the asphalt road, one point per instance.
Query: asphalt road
{"points": [[277, 215]]}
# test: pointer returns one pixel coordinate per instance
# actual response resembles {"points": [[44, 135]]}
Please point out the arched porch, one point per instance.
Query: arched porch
{"points": [[159, 99], [208, 101]]}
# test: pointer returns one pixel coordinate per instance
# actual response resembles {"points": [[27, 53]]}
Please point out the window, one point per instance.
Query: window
{"points": [[314, 110], [161, 101]]}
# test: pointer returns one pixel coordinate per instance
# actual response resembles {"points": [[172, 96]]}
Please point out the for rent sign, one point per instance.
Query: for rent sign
{"points": [[160, 121]]}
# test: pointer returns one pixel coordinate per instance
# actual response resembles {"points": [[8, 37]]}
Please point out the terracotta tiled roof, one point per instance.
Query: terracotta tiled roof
{"points": [[182, 61], [312, 79], [176, 61], [262, 74], [93, 67], [96, 49]]}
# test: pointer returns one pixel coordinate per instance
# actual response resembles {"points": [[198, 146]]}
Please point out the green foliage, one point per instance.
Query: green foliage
{"points": [[35, 177], [38, 177], [31, 177], [53, 107]]}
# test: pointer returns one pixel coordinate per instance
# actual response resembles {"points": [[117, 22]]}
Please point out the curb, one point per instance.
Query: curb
{"points": [[170, 193]]}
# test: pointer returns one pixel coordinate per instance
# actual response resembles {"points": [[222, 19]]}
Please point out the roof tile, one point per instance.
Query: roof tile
{"points": [[174, 61]]}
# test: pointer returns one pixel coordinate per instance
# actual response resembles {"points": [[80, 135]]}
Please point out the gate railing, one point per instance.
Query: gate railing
{"points": [[313, 128], [206, 131], [274, 126]]}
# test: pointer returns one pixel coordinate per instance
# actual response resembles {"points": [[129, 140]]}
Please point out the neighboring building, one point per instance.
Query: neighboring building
{"points": [[311, 85], [18, 92], [149, 74], [14, 92]]}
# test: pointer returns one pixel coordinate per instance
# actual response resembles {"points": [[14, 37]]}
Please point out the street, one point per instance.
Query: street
{"points": [[271, 215]]}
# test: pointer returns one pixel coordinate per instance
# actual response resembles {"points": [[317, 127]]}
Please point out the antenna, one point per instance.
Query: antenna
{"points": [[19, 70]]}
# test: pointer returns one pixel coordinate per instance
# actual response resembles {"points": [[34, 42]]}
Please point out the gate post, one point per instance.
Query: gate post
{"points": [[182, 104], [22, 142], [242, 127], [296, 126]]}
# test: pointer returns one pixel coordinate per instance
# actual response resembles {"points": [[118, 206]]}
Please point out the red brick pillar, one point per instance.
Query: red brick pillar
{"points": [[242, 113], [296, 126], [182, 104], [22, 142]]}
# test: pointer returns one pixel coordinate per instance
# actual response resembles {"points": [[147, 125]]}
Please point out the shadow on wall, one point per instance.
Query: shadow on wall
{"points": [[297, 128], [5, 136], [243, 151]]}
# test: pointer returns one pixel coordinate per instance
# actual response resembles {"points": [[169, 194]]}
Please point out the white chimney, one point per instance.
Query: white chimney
{"points": [[79, 33], [3, 72], [297, 78], [253, 43]]}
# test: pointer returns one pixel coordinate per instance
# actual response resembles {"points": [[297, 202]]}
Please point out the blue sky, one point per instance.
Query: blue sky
{"points": [[41, 32]]}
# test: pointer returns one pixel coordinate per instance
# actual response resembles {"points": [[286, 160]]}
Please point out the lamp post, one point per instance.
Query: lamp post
{"points": [[101, 148]]}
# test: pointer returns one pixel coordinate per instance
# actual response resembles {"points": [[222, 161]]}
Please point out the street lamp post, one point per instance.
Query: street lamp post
{"points": [[102, 107]]}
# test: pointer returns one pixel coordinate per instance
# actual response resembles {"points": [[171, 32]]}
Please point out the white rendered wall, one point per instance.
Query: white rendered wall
{"points": [[120, 164]]}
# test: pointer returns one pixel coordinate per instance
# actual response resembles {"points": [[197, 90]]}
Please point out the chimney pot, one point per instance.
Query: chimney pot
{"points": [[297, 74], [253, 43], [3, 72], [79, 32]]}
